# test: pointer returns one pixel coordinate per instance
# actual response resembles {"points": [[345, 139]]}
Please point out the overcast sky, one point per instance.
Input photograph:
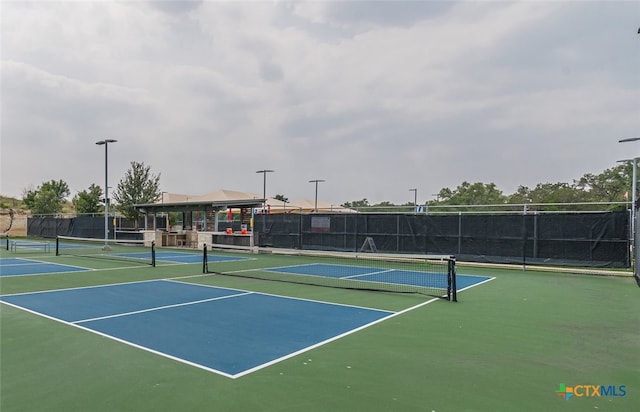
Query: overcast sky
{"points": [[373, 97]]}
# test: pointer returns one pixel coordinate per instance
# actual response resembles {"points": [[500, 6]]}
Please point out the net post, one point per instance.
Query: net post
{"points": [[453, 288], [57, 246], [7, 240], [153, 253], [205, 265]]}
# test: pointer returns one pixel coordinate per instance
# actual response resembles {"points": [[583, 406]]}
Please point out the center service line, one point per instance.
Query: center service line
{"points": [[160, 308]]}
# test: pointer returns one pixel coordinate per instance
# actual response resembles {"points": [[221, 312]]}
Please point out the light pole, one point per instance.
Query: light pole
{"points": [[106, 142], [415, 199], [316, 181], [635, 171], [634, 185], [264, 197], [164, 214], [264, 186], [633, 180]]}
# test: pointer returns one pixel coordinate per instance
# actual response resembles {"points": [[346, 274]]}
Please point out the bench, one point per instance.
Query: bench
{"points": [[14, 244]]}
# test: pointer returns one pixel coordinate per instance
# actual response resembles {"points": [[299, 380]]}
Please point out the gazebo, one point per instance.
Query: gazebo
{"points": [[201, 221]]}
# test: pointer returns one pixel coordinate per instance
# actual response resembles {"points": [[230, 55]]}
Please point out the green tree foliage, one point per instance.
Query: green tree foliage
{"points": [[521, 196], [88, 201], [384, 204], [138, 186], [356, 203], [8, 202], [383, 207], [549, 193], [557, 193], [472, 194], [608, 186], [48, 198], [388, 207]]}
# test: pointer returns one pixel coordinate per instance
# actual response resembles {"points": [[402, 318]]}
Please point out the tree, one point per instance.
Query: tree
{"points": [[472, 194], [138, 186], [557, 193], [281, 198], [356, 203], [384, 204], [521, 196], [88, 201], [48, 198], [608, 186]]}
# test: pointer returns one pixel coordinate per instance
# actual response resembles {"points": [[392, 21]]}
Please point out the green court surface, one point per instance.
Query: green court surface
{"points": [[506, 345]]}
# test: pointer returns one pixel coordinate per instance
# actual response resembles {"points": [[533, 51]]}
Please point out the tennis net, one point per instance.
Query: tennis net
{"points": [[136, 251], [424, 274]]}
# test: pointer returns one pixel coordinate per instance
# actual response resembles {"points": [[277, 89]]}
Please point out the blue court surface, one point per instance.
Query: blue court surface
{"points": [[21, 267], [402, 277], [185, 257], [225, 331]]}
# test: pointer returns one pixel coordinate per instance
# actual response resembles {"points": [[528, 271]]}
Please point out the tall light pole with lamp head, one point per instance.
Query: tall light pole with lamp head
{"points": [[264, 186], [106, 142], [634, 185], [264, 195], [165, 215], [635, 167], [633, 179], [316, 181], [415, 199], [636, 271]]}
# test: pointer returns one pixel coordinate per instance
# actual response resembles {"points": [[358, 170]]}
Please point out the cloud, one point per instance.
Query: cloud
{"points": [[374, 97], [176, 6]]}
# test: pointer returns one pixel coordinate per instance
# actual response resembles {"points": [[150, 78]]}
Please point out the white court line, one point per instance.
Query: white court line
{"points": [[284, 296], [176, 305], [123, 341], [81, 287], [477, 284], [28, 262], [379, 272], [334, 338], [391, 314]]}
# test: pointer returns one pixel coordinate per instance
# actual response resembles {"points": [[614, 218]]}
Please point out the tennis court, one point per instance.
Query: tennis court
{"points": [[261, 332], [226, 331], [369, 274], [25, 267], [190, 257]]}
